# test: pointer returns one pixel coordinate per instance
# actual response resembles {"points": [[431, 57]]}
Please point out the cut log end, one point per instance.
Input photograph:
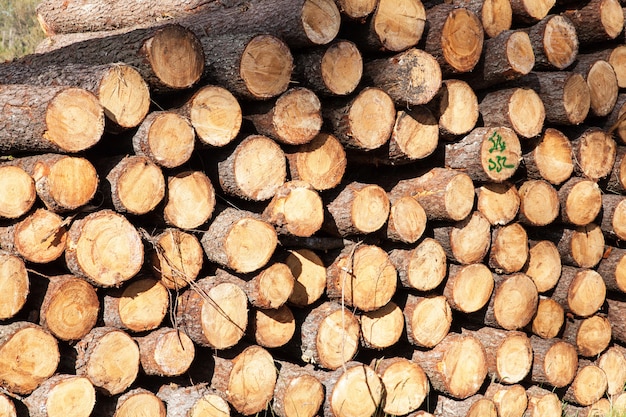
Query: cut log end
{"points": [[14, 285], [125, 96], [498, 202], [63, 395], [41, 237], [458, 202], [399, 25], [170, 140], [496, 17], [190, 200], [515, 302], [342, 68], [215, 115], [428, 320], [527, 113], [321, 20], [406, 385], [177, 258], [462, 40], [469, 287], [266, 66], [296, 209], [296, 117], [576, 99], [539, 203], [19, 192], [544, 265], [139, 185], [321, 162], [520, 52], [141, 306], [358, 392], [603, 88], [371, 118], [357, 9], [383, 327]]}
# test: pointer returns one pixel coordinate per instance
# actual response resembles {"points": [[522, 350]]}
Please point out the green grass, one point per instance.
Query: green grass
{"points": [[19, 29]]}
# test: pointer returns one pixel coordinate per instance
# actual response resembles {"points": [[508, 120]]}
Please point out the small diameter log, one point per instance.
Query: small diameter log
{"points": [[19, 192], [543, 402], [365, 122], [406, 385], [616, 182], [254, 170], [14, 285], [357, 209], [423, 267], [176, 259], [362, 277], [215, 115], [356, 9], [445, 194], [456, 106], [139, 306], [330, 335], [62, 395], [467, 241], [49, 119], [550, 158], [194, 400], [524, 111], [498, 149], [321, 162], [382, 328], [190, 200], [555, 42], [613, 216], [565, 96], [597, 21], [602, 82], [555, 362], [539, 203], [252, 67], [40, 238], [582, 246], [333, 70], [591, 336], [109, 358], [29, 355], [513, 303], [457, 366], [495, 16], [104, 248], [213, 314], [428, 320], [613, 363], [531, 10], [272, 327], [166, 138], [469, 287], [239, 240], [580, 200], [309, 274], [296, 209], [70, 308], [137, 401], [353, 390], [412, 77], [548, 319], [616, 59], [588, 386], [544, 265], [165, 352], [298, 391], [407, 220], [510, 400], [594, 151], [293, 119], [617, 309], [455, 38], [498, 202], [473, 406], [580, 291], [509, 248], [612, 269]]}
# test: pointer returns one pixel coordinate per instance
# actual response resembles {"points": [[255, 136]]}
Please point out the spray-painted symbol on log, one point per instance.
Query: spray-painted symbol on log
{"points": [[498, 145]]}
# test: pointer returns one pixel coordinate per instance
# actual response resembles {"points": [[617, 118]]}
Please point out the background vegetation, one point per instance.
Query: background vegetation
{"points": [[19, 29]]}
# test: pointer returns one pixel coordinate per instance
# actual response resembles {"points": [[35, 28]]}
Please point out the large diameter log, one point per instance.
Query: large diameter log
{"points": [[548, 319], [412, 77], [588, 386], [513, 302], [49, 119], [62, 395], [469, 287], [580, 201], [190, 199], [524, 111], [296, 209], [357, 209], [14, 285], [428, 320], [354, 390], [509, 248], [591, 335], [456, 366], [498, 202], [321, 162], [406, 385], [29, 355], [531, 10], [467, 241], [550, 157], [382, 328], [555, 42], [309, 274], [423, 267], [298, 391], [456, 106], [613, 363], [594, 151], [165, 352], [580, 291], [104, 248], [597, 21], [177, 258], [195, 400], [555, 362], [20, 192], [544, 265], [139, 306]]}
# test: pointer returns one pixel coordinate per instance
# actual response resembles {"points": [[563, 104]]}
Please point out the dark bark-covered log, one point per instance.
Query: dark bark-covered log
{"points": [[613, 221], [165, 352], [591, 335], [615, 122], [580, 291], [498, 202], [298, 391], [550, 157], [544, 265], [616, 310], [296, 209], [555, 42], [357, 209], [139, 306], [548, 319], [555, 362], [423, 267], [456, 107], [597, 21], [20, 194], [524, 111], [406, 385], [62, 395], [469, 287], [382, 328], [190, 199], [14, 285], [467, 241], [581, 201], [428, 320], [176, 258], [309, 273]]}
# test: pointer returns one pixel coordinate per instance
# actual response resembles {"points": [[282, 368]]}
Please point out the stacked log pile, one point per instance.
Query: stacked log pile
{"points": [[310, 207]]}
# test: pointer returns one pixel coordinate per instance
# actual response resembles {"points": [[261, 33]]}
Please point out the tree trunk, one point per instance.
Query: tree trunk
{"points": [[524, 111], [580, 291], [298, 391], [617, 309], [20, 192], [548, 319], [594, 151], [309, 273], [428, 320], [467, 241], [555, 362], [382, 328], [588, 386], [509, 248], [613, 363], [550, 158], [513, 303], [612, 269], [423, 267], [406, 385], [194, 400], [165, 352], [176, 258], [496, 16], [539, 203], [581, 201], [469, 287], [357, 209], [498, 202], [296, 209], [272, 328], [190, 200], [14, 285], [353, 390], [456, 107], [591, 336], [544, 265], [597, 21], [602, 82], [555, 42], [62, 395]]}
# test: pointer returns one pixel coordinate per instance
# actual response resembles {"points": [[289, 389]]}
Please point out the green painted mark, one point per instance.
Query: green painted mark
{"points": [[498, 145]]}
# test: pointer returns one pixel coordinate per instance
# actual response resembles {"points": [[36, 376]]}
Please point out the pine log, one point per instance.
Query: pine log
{"points": [[7, 407], [548, 319], [509, 248], [109, 358], [554, 39], [581, 201], [616, 311], [254, 170], [330, 335], [239, 240], [406, 385], [362, 276], [49, 119], [407, 220], [333, 70], [550, 157], [456, 107], [615, 121], [473, 406], [309, 274], [591, 335], [295, 209], [616, 182], [457, 366], [213, 314], [543, 402], [613, 216], [428, 320], [168, 56], [510, 400], [272, 327], [40, 238], [298, 391], [498, 149], [544, 265], [582, 246], [358, 208], [165, 352], [445, 194], [62, 395], [14, 285], [594, 151], [580, 291], [612, 268], [524, 111], [321, 162], [176, 258], [19, 192], [555, 362], [190, 199], [498, 202], [613, 363], [29, 355], [496, 16], [70, 308], [539, 203], [469, 287], [531, 10], [139, 306], [137, 401], [602, 82], [353, 390], [589, 385], [602, 407], [513, 303], [356, 9], [104, 248], [166, 138], [215, 115], [597, 21], [422, 267], [455, 38], [382, 328], [412, 77], [195, 400], [467, 241]]}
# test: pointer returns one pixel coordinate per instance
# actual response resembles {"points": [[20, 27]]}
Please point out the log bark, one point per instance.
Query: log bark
{"points": [[548, 319], [524, 111], [195, 400], [616, 182], [456, 107], [139, 306], [190, 200], [581, 201], [614, 122], [495, 16], [531, 10], [591, 336], [544, 265], [14, 285], [602, 20], [550, 157], [580, 291], [309, 274], [513, 303], [555, 362], [594, 151], [165, 352], [428, 320], [473, 406], [296, 209], [613, 362], [582, 246], [176, 258], [20, 192], [509, 248], [382, 328], [510, 400], [469, 287], [406, 385], [588, 386], [353, 390], [498, 202], [357, 209], [615, 312], [612, 267], [298, 391], [467, 241], [273, 327], [554, 39], [613, 216], [62, 395], [602, 82], [423, 267]]}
